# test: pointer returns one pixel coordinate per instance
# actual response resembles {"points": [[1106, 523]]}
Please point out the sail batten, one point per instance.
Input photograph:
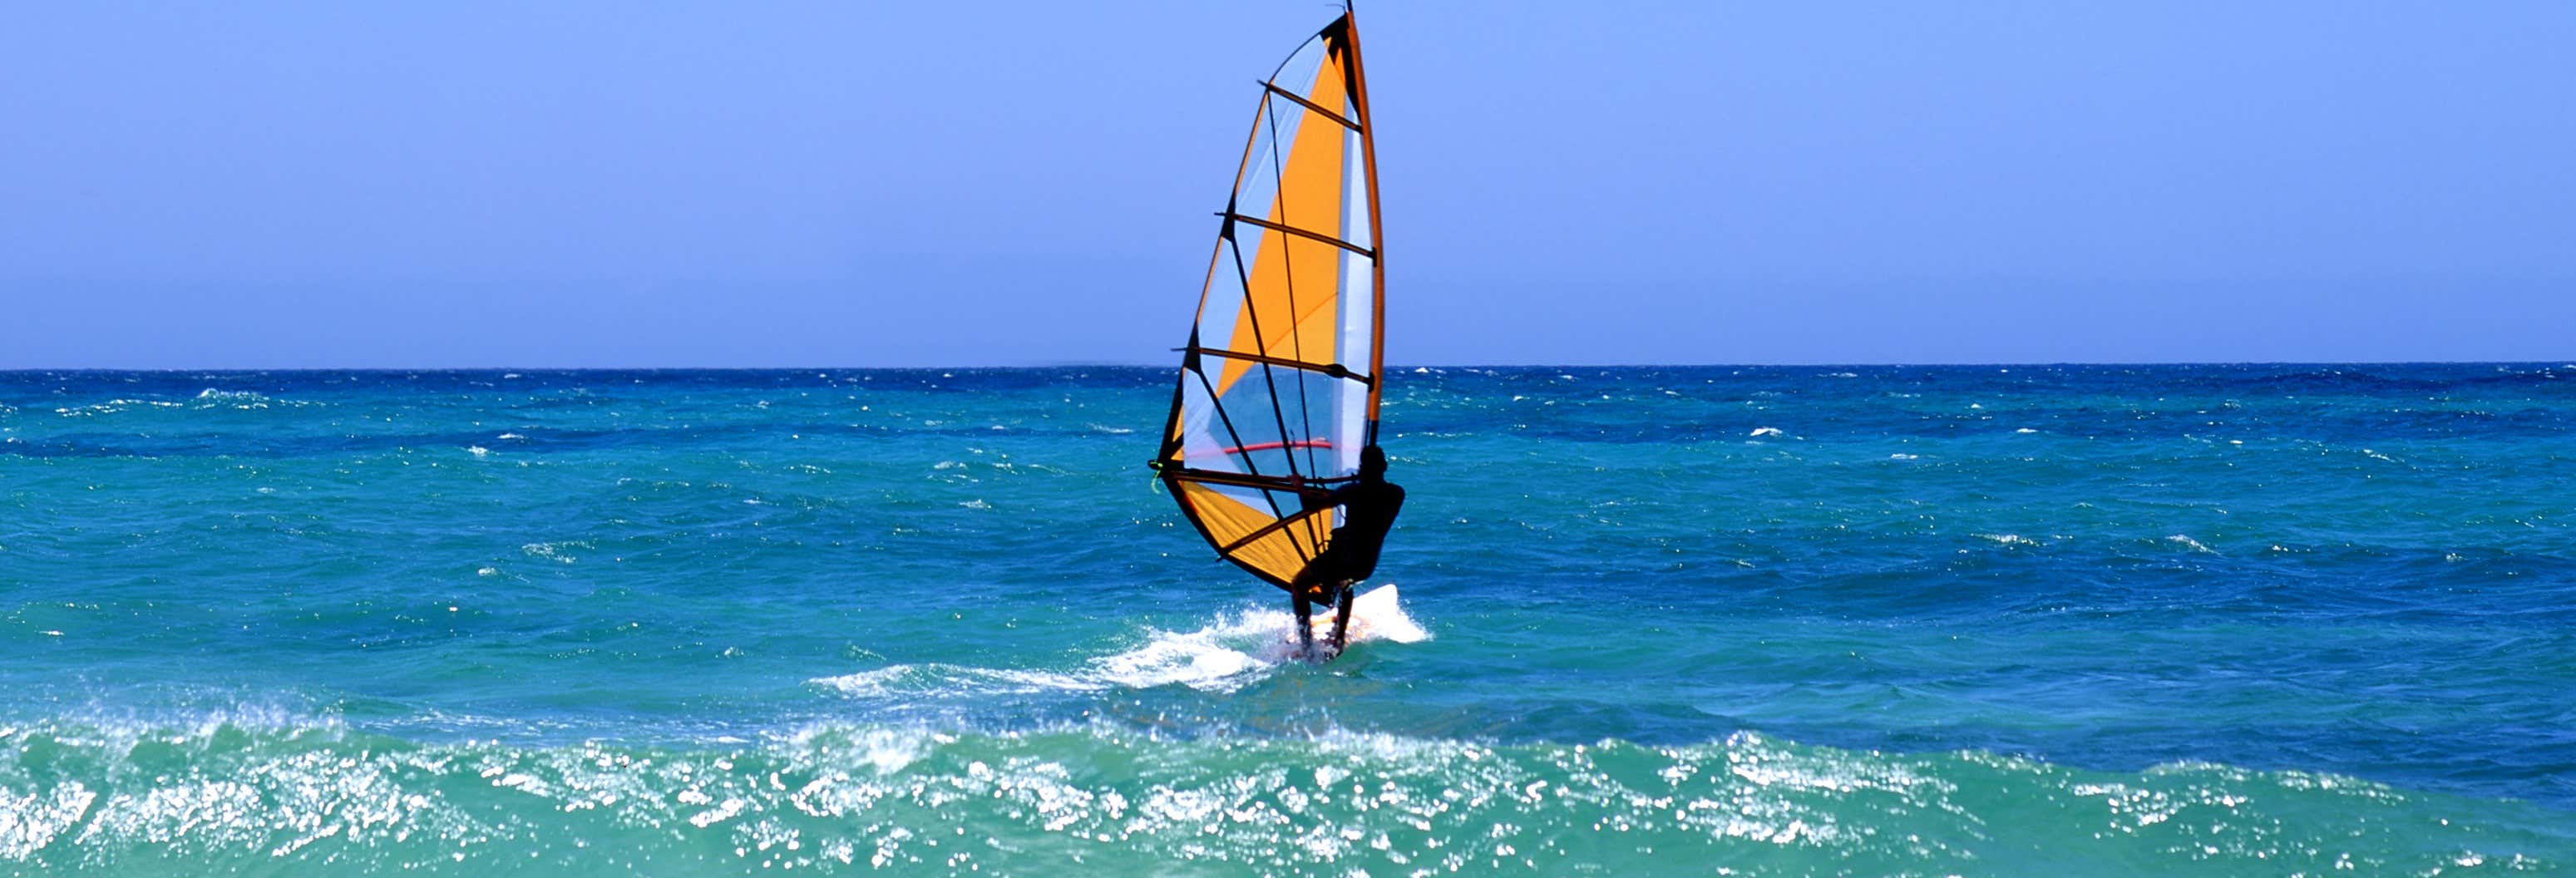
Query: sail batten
{"points": [[1279, 384], [1316, 108], [1309, 234], [1336, 370]]}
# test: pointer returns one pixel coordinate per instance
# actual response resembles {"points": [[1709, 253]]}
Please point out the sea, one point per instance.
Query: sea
{"points": [[1873, 621]]}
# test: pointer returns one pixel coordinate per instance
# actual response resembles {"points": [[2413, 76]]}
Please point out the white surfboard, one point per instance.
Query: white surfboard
{"points": [[1375, 615]]}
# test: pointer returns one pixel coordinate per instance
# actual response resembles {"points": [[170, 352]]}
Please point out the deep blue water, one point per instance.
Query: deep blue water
{"points": [[1872, 620]]}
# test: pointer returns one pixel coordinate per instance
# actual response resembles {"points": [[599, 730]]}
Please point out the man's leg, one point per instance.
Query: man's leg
{"points": [[1305, 622], [1342, 619]]}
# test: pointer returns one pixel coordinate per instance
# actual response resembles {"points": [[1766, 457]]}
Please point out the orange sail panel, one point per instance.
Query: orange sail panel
{"points": [[1277, 392], [1279, 554], [1284, 316]]}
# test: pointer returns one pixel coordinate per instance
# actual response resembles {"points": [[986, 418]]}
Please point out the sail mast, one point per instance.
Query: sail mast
{"points": [[1377, 238]]}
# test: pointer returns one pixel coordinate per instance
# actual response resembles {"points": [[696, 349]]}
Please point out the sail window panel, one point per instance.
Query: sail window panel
{"points": [[1280, 420], [1263, 453], [1204, 433], [1304, 427], [1295, 431], [1310, 403], [1241, 433], [1255, 445]]}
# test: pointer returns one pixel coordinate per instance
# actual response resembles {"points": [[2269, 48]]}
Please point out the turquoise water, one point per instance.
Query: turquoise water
{"points": [[1758, 621]]}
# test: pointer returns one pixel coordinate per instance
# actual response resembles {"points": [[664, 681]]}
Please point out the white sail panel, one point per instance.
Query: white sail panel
{"points": [[1359, 323]]}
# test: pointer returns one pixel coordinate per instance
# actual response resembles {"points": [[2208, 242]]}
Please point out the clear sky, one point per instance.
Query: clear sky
{"points": [[282, 184]]}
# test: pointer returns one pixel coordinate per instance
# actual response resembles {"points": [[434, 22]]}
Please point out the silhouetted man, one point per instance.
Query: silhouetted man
{"points": [[1368, 510]]}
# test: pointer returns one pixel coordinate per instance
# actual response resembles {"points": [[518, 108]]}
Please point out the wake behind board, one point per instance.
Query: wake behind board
{"points": [[1375, 615]]}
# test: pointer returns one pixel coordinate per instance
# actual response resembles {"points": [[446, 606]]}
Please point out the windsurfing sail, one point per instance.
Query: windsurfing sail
{"points": [[1279, 382]]}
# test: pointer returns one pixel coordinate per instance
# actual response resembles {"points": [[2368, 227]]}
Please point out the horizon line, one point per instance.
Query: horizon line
{"points": [[1392, 369]]}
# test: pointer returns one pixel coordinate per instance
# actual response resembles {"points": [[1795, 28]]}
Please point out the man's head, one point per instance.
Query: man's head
{"points": [[1372, 463]]}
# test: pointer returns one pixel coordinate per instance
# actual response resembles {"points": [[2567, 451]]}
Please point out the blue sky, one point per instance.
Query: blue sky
{"points": [[616, 184]]}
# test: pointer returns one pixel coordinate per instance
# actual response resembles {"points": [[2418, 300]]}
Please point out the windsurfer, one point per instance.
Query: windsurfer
{"points": [[1368, 506]]}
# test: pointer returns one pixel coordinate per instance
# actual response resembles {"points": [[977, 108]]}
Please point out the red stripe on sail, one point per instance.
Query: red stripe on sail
{"points": [[1274, 446]]}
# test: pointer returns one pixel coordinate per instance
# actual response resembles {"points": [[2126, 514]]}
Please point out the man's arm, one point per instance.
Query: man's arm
{"points": [[1311, 501]]}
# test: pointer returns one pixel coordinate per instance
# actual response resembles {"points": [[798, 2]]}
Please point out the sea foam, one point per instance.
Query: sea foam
{"points": [[1224, 655], [840, 797]]}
